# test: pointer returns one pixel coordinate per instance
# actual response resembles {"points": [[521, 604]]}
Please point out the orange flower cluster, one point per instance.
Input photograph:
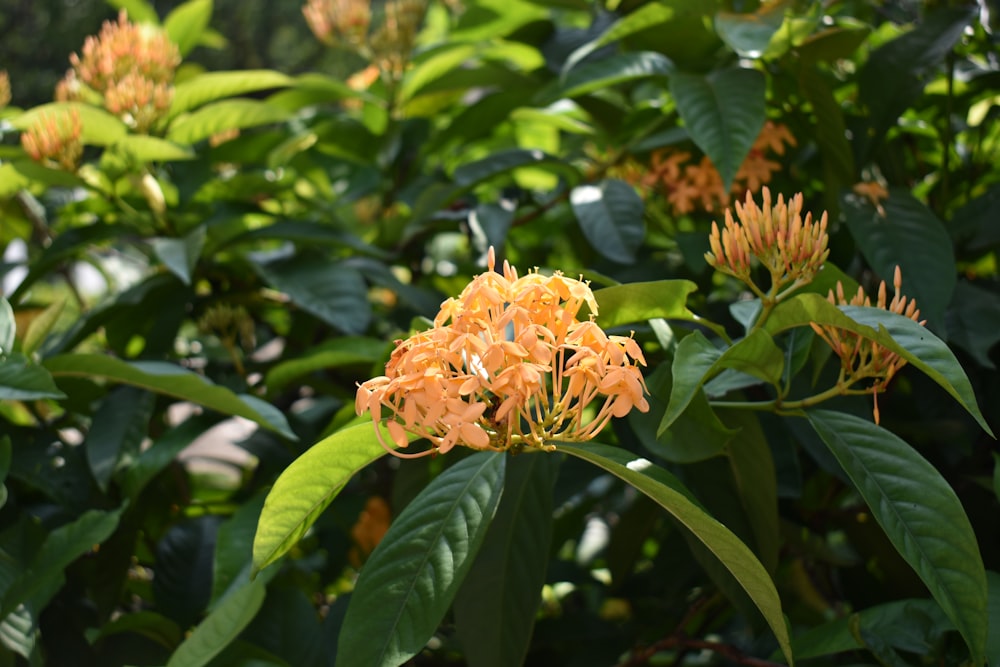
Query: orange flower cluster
{"points": [[862, 358], [370, 528], [339, 21], [4, 89], [131, 66], [507, 365], [690, 186], [874, 192], [55, 138], [790, 247]]}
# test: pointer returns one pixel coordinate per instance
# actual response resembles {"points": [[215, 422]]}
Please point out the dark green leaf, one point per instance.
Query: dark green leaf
{"points": [[142, 469], [724, 129], [647, 16], [233, 548], [749, 34], [670, 494], [408, 583], [831, 130], [502, 162], [840, 41], [117, 430], [920, 514], [220, 627], [182, 587], [309, 484], [973, 321], [168, 379], [18, 631], [610, 216], [342, 351], [186, 23], [911, 237], [510, 569], [606, 73], [181, 255], [993, 640], [900, 334], [21, 381], [332, 292]]}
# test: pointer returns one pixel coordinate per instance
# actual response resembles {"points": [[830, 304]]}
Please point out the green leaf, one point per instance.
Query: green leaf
{"points": [[407, 585], [911, 237], [40, 327], [220, 627], [167, 379], [671, 495], [831, 130], [510, 569], [21, 381], [335, 293], [610, 216], [309, 485], [181, 255], [749, 34], [217, 117], [840, 41], [144, 148], [993, 640], [902, 335], [142, 469], [62, 546], [606, 73], [444, 59], [973, 321], [232, 560], [8, 328], [18, 632], [502, 162], [139, 11], [211, 86], [638, 302], [645, 17], [920, 514], [341, 351], [186, 23], [724, 112], [697, 360], [98, 127], [117, 430]]}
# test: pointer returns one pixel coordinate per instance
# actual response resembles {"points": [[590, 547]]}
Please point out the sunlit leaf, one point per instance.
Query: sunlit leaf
{"points": [[607, 72], [641, 301], [186, 22], [408, 583], [144, 148], [221, 116], [211, 86], [98, 127]]}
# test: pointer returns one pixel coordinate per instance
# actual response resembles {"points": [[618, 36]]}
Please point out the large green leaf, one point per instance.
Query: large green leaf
{"points": [[510, 569], [638, 302], [211, 86], [443, 60], [973, 321], [186, 23], [911, 237], [221, 116], [724, 112], [220, 627], [900, 334], [831, 130], [144, 148], [611, 71], [670, 494], [645, 17], [170, 380], [23, 381], [335, 293], [610, 216], [920, 514], [309, 485], [410, 580], [117, 430], [697, 360], [98, 127], [181, 255]]}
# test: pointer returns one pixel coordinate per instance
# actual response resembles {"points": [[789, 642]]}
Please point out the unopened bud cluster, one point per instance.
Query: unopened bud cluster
{"points": [[507, 365], [55, 139], [339, 22]]}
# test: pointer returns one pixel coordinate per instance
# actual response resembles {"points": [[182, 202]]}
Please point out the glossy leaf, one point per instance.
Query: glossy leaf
{"points": [[638, 302], [722, 128], [911, 237], [510, 569], [645, 17], [610, 216], [181, 255], [220, 627], [23, 381], [920, 514], [212, 86], [408, 583], [221, 116], [749, 34], [902, 335], [186, 23], [608, 72], [671, 495], [167, 379], [697, 360], [309, 485]]}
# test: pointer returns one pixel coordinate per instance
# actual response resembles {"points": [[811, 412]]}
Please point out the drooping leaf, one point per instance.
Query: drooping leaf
{"points": [[168, 379], [610, 216], [510, 569], [180, 255], [407, 585], [670, 494], [724, 112], [186, 23], [911, 237], [220, 627], [335, 293], [309, 485], [117, 430], [23, 381], [902, 335], [223, 115], [212, 86], [920, 514]]}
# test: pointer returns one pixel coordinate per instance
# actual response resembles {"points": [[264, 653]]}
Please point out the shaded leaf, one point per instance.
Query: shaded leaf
{"points": [[117, 430], [8, 328], [920, 514], [342, 351], [749, 34], [220, 627], [973, 321], [502, 162], [993, 640], [21, 381], [181, 255], [647, 16], [40, 327], [140, 471], [610, 216], [407, 585], [607, 72]]}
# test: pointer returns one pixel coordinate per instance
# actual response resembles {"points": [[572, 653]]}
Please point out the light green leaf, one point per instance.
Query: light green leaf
{"points": [[911, 237], [309, 485], [211, 86], [724, 129], [139, 11], [181, 255], [21, 381], [510, 569], [186, 23], [216, 117], [443, 60], [40, 327], [98, 127], [144, 148], [407, 585], [8, 328], [220, 627], [920, 514], [902, 335], [18, 632], [335, 293], [671, 495], [697, 360], [638, 302], [610, 216], [167, 379], [341, 351]]}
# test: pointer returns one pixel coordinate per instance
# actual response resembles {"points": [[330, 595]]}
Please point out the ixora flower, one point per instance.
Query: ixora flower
{"points": [[507, 365]]}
